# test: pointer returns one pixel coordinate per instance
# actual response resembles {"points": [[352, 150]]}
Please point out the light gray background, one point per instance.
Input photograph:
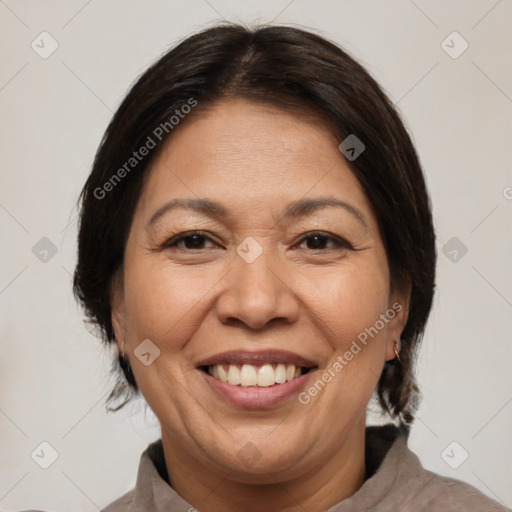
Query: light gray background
{"points": [[53, 113]]}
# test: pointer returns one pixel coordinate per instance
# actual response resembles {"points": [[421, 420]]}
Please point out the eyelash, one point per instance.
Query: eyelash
{"points": [[338, 242]]}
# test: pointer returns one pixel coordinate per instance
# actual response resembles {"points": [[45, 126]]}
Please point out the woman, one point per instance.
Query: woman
{"points": [[256, 236]]}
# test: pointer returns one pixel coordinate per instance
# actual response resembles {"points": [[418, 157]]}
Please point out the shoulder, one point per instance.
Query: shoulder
{"points": [[122, 504], [401, 480], [443, 493]]}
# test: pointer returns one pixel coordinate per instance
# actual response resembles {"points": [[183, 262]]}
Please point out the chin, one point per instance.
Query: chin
{"points": [[263, 463]]}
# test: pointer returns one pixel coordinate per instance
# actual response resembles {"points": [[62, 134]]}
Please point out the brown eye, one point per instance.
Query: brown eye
{"points": [[191, 240], [319, 241]]}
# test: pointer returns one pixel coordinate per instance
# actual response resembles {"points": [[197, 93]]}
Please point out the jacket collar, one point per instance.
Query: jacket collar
{"points": [[388, 462]]}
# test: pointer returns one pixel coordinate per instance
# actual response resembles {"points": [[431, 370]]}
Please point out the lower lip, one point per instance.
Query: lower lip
{"points": [[257, 397]]}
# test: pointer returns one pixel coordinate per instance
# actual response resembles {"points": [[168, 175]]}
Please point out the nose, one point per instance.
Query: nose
{"points": [[256, 294]]}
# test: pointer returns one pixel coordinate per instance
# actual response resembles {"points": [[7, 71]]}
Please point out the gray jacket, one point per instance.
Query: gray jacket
{"points": [[396, 482]]}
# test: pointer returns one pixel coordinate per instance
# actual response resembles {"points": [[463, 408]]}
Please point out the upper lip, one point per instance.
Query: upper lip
{"points": [[257, 358]]}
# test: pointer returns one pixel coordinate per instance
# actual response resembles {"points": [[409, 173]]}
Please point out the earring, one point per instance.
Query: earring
{"points": [[123, 362], [397, 350]]}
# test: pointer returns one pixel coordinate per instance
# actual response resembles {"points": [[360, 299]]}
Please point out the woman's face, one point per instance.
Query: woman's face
{"points": [[289, 268]]}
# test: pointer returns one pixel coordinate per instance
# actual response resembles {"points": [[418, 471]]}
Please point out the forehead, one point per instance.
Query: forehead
{"points": [[243, 153]]}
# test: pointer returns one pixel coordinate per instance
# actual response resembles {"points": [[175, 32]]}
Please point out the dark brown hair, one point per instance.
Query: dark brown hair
{"points": [[292, 69]]}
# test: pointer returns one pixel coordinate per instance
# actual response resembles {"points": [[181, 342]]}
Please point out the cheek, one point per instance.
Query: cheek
{"points": [[163, 300], [348, 301]]}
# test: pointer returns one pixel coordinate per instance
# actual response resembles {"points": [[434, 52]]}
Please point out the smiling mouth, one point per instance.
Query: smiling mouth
{"points": [[248, 375]]}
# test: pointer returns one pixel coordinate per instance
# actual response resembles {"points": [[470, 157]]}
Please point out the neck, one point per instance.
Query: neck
{"points": [[209, 489]]}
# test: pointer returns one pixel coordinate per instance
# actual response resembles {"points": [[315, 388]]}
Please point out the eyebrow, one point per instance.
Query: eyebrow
{"points": [[293, 210]]}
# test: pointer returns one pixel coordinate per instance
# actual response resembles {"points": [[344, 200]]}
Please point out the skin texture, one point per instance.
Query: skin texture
{"points": [[195, 303]]}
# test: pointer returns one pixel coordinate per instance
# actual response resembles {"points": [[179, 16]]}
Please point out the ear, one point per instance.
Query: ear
{"points": [[397, 313], [117, 308]]}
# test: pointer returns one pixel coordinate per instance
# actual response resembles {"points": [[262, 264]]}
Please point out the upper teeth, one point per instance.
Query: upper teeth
{"points": [[249, 375]]}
